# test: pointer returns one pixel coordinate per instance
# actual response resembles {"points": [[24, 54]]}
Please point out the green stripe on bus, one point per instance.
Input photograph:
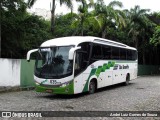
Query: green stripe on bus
{"points": [[85, 89], [97, 71]]}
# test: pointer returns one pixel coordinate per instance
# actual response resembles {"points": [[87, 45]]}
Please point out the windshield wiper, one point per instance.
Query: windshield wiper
{"points": [[44, 65]]}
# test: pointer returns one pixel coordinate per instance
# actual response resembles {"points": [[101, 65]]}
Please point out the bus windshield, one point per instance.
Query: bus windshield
{"points": [[53, 62]]}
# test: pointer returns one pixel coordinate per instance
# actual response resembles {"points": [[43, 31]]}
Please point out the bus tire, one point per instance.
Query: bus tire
{"points": [[127, 79], [92, 87]]}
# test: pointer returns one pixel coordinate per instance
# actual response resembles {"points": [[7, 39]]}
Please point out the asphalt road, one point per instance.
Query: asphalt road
{"points": [[142, 94]]}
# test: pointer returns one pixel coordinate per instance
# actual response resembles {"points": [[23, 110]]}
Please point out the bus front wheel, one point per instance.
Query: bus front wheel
{"points": [[92, 87]]}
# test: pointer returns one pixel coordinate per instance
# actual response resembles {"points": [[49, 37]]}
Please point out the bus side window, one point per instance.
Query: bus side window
{"points": [[96, 53], [78, 62], [106, 52], [129, 55], [115, 53], [134, 54], [123, 54], [85, 49]]}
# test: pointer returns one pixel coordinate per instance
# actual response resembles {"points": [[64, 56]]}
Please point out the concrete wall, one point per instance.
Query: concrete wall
{"points": [[16, 72], [10, 72]]}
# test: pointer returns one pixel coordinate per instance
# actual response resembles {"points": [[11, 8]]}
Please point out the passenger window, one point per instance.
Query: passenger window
{"points": [[78, 63], [85, 50], [129, 55], [134, 54], [96, 52], [106, 52], [123, 54], [115, 53]]}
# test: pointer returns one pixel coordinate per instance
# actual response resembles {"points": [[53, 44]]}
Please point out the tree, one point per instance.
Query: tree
{"points": [[63, 25], [140, 29], [82, 17], [66, 2], [11, 12], [155, 17], [137, 21], [155, 40], [108, 16], [20, 30], [10, 8]]}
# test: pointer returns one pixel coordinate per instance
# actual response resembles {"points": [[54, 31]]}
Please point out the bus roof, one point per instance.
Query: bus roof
{"points": [[75, 40]]}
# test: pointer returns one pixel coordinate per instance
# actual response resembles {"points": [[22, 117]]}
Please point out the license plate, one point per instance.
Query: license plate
{"points": [[49, 91], [53, 82]]}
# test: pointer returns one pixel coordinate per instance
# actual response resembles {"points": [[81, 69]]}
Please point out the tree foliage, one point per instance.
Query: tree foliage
{"points": [[68, 3], [63, 25], [155, 40], [21, 31], [107, 16]]}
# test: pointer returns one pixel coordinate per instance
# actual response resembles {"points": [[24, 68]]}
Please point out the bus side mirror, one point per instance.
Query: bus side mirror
{"points": [[71, 52], [29, 53]]}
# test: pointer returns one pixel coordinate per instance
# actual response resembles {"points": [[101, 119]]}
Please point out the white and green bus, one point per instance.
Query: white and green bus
{"points": [[72, 65]]}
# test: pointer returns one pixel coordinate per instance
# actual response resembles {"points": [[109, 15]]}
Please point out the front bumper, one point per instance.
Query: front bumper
{"points": [[69, 89]]}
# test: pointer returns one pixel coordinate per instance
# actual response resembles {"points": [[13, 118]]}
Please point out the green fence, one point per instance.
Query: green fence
{"points": [[148, 69], [27, 70]]}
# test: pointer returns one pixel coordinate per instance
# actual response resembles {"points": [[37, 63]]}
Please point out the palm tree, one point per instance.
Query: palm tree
{"points": [[155, 40], [108, 15], [140, 29], [66, 2], [138, 21], [83, 16]]}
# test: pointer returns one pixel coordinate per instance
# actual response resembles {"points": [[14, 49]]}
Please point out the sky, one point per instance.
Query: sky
{"points": [[153, 5]]}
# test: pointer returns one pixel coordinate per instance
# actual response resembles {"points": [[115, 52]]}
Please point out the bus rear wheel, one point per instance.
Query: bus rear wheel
{"points": [[127, 79], [92, 87]]}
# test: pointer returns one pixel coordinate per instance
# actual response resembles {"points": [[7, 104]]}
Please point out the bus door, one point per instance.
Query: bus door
{"points": [[80, 73]]}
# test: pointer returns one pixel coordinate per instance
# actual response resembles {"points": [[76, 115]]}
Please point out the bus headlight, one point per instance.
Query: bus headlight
{"points": [[65, 84]]}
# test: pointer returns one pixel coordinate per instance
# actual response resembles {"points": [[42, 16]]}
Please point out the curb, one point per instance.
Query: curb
{"points": [[4, 89]]}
